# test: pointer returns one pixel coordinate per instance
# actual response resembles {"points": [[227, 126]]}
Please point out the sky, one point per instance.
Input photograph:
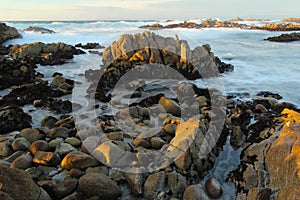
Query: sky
{"points": [[145, 9]]}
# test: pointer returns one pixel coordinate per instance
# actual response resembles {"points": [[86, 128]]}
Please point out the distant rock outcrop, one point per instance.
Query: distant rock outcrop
{"points": [[285, 38], [7, 33], [291, 19], [277, 27], [45, 54], [39, 30]]}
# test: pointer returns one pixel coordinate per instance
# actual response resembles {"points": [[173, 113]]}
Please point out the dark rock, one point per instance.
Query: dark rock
{"points": [[46, 158], [170, 106], [14, 156], [59, 190], [32, 134], [177, 183], [213, 188], [58, 132], [96, 184], [12, 118], [141, 142], [285, 38], [78, 160], [238, 137], [7, 33], [26, 94], [90, 46], [19, 185], [16, 73], [45, 54], [22, 162], [39, 30], [5, 196], [259, 193], [57, 106], [63, 149]]}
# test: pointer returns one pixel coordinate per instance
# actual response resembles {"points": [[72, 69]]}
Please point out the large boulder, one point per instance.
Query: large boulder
{"points": [[274, 162], [19, 185], [7, 33], [285, 37], [96, 184], [45, 54], [39, 30], [12, 118]]}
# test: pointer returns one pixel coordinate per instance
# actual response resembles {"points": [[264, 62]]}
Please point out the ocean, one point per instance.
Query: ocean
{"points": [[259, 65]]}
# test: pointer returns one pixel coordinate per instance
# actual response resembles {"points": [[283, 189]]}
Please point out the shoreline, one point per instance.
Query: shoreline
{"points": [[72, 162]]}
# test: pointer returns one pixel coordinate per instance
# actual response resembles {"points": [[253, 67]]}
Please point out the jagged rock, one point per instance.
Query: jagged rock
{"points": [[285, 37], [7, 33], [45, 54], [16, 73], [39, 30], [157, 54], [26, 94], [96, 184], [57, 106], [12, 118]]}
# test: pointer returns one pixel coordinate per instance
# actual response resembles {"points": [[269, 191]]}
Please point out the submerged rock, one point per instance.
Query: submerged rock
{"points": [[39, 30]]}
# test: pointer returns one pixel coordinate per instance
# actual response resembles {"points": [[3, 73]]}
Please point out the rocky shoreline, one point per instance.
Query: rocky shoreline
{"points": [[60, 159], [285, 38], [288, 25]]}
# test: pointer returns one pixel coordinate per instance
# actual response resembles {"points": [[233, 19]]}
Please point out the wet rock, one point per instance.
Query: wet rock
{"points": [[63, 149], [39, 145], [7, 33], [76, 173], [57, 106], [135, 182], [260, 108], [155, 184], [16, 73], [46, 158], [27, 94], [13, 182], [39, 30], [134, 112], [22, 162], [59, 190], [32, 134], [213, 188], [13, 156], [90, 46], [176, 183], [78, 160], [194, 192], [238, 137], [62, 84], [5, 196], [54, 143], [285, 37], [96, 184], [45, 54], [117, 176], [5, 148], [12, 118]]}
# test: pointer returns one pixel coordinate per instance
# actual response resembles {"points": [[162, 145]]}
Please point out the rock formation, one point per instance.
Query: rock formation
{"points": [[7, 33], [285, 37]]}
